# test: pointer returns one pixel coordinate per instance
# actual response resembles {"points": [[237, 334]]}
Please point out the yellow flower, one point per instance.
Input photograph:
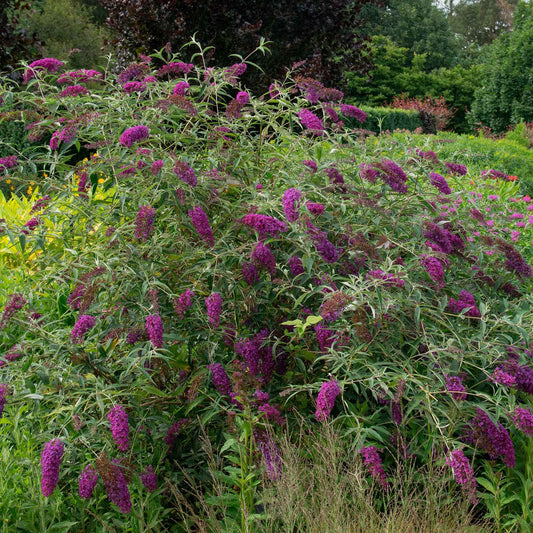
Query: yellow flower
{"points": [[101, 180], [8, 181]]}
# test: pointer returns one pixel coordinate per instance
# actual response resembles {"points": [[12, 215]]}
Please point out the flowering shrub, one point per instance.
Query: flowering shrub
{"points": [[207, 279]]}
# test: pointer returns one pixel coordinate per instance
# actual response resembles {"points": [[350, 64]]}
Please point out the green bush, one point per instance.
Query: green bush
{"points": [[380, 119], [64, 26], [505, 96]]}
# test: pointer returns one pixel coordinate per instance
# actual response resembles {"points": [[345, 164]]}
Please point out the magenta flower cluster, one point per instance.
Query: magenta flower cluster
{"points": [[154, 328], [87, 482], [462, 470], [326, 399], [81, 327], [51, 457], [116, 487], [454, 385], [311, 122], [493, 439], [73, 91], [220, 379], [213, 305], [434, 268], [48, 64], [457, 169], [134, 135], [389, 280], [16, 303], [352, 111], [181, 88], [465, 301], [296, 266], [440, 183], [263, 257], [183, 302], [372, 462], [522, 418], [264, 224], [201, 224], [149, 479], [131, 87], [4, 391], [314, 208], [8, 162], [120, 429], [393, 175], [185, 173], [290, 204], [81, 76], [144, 222]]}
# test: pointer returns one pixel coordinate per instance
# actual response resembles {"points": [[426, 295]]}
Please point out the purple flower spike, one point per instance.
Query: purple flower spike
{"points": [[201, 224], [296, 266], [120, 429], [4, 391], [311, 122], [116, 487], [87, 482], [185, 173], [290, 204], [352, 111], [133, 135], [183, 302], [149, 479], [214, 308], [154, 327], [144, 222], [50, 461], [326, 399], [462, 470], [82, 326], [372, 461], [220, 379]]}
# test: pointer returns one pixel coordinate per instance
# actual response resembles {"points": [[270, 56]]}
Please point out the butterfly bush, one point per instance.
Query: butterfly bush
{"points": [[394, 250]]}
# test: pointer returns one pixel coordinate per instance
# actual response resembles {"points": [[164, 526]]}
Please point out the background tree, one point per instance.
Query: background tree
{"points": [[506, 94], [420, 26], [16, 42], [480, 22], [324, 34], [66, 25]]}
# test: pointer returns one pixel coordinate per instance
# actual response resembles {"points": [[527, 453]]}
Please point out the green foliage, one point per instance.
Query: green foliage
{"points": [[393, 75], [420, 27], [480, 22], [65, 25], [505, 96], [381, 119]]}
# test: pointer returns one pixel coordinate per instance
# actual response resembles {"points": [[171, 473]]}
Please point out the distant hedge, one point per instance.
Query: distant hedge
{"points": [[385, 118]]}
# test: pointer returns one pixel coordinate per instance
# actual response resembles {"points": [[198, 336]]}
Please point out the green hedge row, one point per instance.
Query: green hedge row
{"points": [[386, 118]]}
